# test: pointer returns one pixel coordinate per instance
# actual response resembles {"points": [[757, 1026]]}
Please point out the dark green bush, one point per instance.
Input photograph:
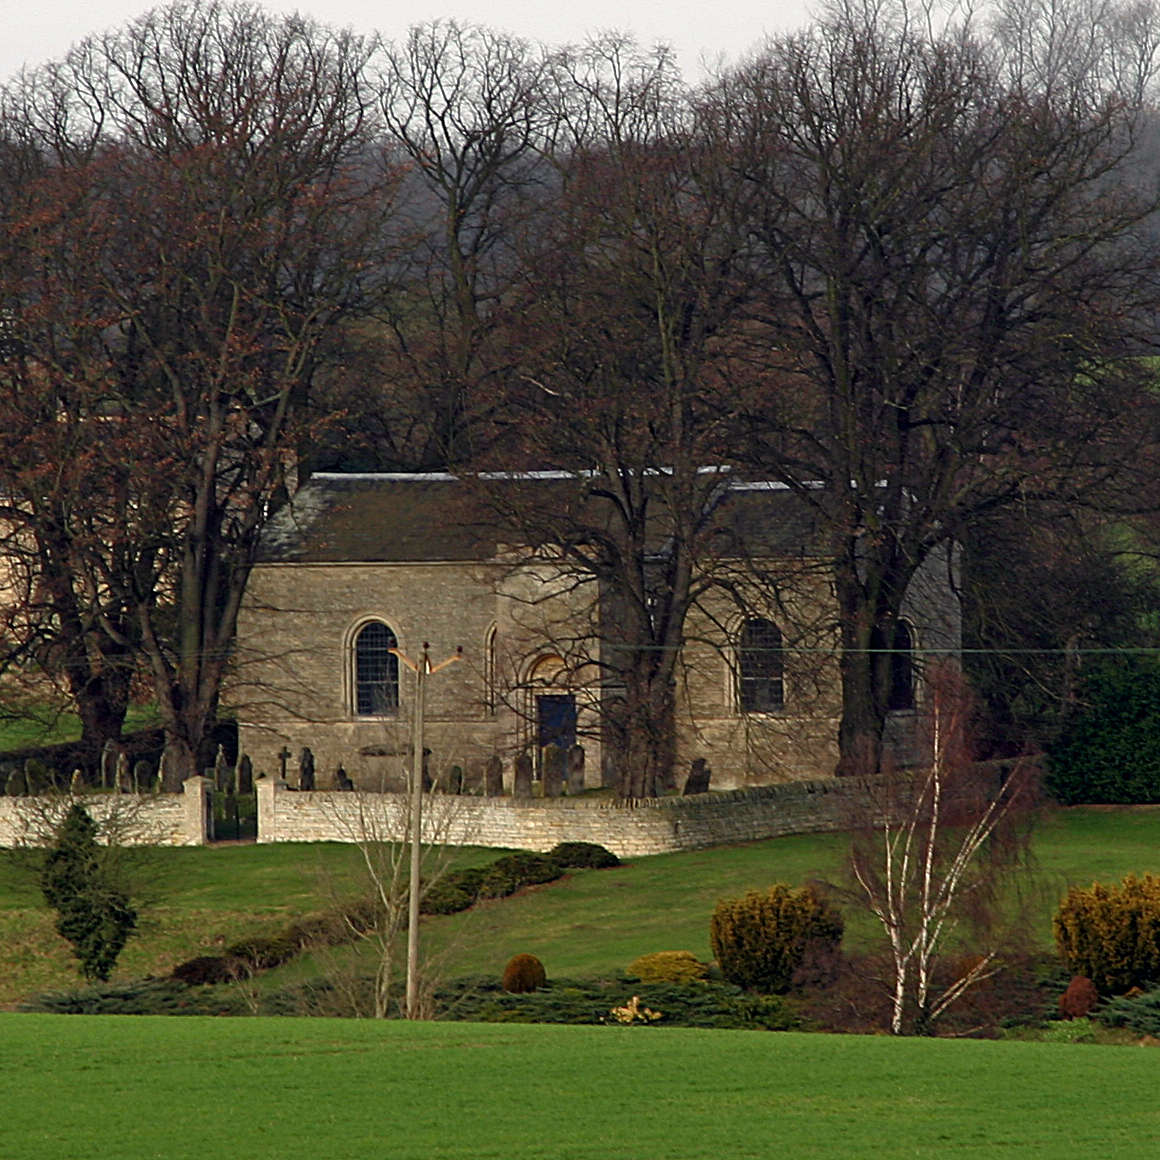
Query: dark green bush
{"points": [[205, 970], [761, 939], [1111, 934], [510, 873], [1110, 749], [456, 891], [583, 856], [142, 997], [261, 952]]}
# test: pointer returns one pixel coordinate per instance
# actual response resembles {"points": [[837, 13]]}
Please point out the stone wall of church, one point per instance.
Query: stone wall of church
{"points": [[293, 682]]}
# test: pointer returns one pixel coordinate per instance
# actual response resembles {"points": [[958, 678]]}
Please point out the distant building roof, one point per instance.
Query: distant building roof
{"points": [[398, 518]]}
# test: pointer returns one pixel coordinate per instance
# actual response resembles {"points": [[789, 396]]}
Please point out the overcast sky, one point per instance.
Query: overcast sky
{"points": [[35, 31]]}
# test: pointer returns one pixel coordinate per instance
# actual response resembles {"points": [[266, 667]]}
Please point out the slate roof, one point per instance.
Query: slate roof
{"points": [[396, 518]]}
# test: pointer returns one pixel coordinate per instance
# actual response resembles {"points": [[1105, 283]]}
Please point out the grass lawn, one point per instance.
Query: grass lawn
{"points": [[33, 724], [591, 923], [290, 1089]]}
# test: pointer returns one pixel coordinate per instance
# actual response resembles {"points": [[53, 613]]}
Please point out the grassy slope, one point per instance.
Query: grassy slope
{"points": [[597, 922], [190, 1088], [35, 723], [201, 897], [591, 923]]}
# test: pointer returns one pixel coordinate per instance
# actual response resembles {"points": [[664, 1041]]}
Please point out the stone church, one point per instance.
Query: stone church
{"points": [[359, 573]]}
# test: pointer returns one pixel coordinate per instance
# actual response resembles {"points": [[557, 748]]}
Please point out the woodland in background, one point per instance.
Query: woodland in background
{"points": [[909, 272]]}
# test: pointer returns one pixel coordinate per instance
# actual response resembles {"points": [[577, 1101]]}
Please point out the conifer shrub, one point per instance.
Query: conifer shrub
{"points": [[668, 967], [92, 910], [1139, 1013], [141, 997], [524, 973], [1111, 934], [583, 856], [760, 940]]}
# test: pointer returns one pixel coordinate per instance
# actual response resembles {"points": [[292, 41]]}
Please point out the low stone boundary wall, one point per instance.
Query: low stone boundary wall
{"points": [[628, 829], [130, 819]]}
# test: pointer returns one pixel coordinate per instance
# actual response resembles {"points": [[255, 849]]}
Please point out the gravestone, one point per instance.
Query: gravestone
{"points": [[142, 777], [493, 776], [123, 779], [76, 784], [552, 768], [455, 779], [108, 765], [306, 769], [698, 779], [427, 782], [38, 778], [245, 774], [522, 769], [341, 781], [576, 769], [221, 774]]}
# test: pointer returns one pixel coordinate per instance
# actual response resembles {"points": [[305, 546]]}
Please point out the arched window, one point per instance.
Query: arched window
{"points": [[376, 671], [902, 669], [761, 667]]}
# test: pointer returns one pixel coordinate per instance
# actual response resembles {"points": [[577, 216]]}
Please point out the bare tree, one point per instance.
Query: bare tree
{"points": [[934, 859], [622, 387], [464, 108], [378, 824], [210, 206], [944, 326]]}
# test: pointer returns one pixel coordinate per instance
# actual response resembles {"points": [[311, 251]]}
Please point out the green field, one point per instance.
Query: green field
{"points": [[591, 923], [291, 1089]]}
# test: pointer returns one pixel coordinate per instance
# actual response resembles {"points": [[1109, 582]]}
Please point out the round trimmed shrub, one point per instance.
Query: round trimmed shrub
{"points": [[1080, 999], [668, 967], [583, 856], [761, 939], [1111, 934], [523, 974]]}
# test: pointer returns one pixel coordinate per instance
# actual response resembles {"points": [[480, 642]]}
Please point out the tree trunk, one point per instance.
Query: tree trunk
{"points": [[863, 719], [645, 737]]}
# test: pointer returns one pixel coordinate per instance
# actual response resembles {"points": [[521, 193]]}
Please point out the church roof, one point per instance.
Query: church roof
{"points": [[398, 518]]}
